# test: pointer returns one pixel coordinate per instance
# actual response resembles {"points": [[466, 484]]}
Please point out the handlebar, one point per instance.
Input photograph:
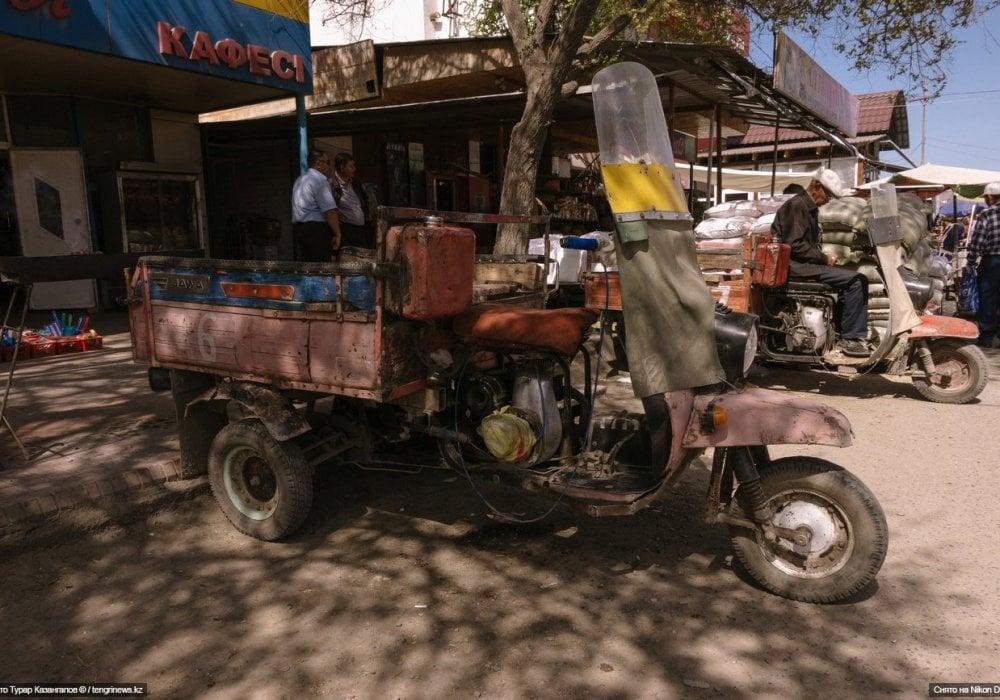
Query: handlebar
{"points": [[578, 243]]}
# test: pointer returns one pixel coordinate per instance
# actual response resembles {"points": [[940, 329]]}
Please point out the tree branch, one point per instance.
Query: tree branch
{"points": [[606, 34], [542, 17], [518, 27]]}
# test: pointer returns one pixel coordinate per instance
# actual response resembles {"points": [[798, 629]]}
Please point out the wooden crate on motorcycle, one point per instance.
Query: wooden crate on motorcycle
{"points": [[524, 275], [602, 291], [733, 293], [436, 266], [727, 275]]}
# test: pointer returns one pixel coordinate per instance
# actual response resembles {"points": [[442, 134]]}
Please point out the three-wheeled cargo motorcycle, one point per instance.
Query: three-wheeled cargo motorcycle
{"points": [[281, 368]]}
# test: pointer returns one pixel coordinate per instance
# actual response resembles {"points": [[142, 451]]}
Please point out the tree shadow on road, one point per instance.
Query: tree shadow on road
{"points": [[831, 383], [402, 586]]}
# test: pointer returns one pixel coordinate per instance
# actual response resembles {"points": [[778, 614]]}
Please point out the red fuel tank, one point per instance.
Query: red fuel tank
{"points": [[437, 266]]}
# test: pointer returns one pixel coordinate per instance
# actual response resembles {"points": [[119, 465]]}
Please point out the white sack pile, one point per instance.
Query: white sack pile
{"points": [[845, 235]]}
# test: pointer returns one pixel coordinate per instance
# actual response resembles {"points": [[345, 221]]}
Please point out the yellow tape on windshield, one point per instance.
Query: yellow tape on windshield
{"points": [[635, 187]]}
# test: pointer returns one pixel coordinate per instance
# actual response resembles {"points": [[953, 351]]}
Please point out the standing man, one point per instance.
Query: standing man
{"points": [[352, 203], [797, 224], [984, 246], [315, 225]]}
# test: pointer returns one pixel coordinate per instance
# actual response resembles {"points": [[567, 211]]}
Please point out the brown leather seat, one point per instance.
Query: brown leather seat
{"points": [[556, 330]]}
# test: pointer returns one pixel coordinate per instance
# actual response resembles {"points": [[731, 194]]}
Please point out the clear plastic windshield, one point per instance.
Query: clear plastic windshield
{"points": [[637, 159]]}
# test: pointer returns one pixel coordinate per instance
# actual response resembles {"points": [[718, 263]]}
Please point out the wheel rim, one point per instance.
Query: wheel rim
{"points": [[830, 540], [953, 372], [250, 483]]}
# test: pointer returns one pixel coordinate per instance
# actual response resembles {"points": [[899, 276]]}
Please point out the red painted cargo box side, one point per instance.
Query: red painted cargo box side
{"points": [[324, 346]]}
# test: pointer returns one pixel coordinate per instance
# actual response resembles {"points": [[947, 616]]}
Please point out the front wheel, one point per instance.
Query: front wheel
{"points": [[962, 373], [263, 486], [843, 521]]}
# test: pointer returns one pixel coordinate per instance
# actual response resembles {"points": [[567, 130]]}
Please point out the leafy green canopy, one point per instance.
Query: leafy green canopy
{"points": [[908, 39]]}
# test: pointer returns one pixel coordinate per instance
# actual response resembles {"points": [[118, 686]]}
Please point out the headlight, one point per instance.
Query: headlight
{"points": [[736, 342], [750, 349]]}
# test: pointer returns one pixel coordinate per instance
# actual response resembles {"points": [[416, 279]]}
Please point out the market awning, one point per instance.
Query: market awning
{"points": [[967, 182], [745, 180], [486, 85]]}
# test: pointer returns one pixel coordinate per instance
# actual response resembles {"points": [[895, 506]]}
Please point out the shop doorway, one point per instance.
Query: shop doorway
{"points": [[52, 218]]}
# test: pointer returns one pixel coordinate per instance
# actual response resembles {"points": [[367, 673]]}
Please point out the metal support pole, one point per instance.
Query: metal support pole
{"points": [[718, 146], [300, 121], [13, 360]]}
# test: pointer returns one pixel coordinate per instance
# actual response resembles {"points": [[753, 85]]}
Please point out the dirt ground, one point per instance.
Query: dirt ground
{"points": [[401, 586]]}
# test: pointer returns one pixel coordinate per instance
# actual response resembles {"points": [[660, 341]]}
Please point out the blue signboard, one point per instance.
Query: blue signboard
{"points": [[259, 41]]}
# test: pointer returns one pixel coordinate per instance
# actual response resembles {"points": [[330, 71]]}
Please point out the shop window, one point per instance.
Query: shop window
{"points": [[160, 212], [111, 133], [40, 121], [49, 204]]}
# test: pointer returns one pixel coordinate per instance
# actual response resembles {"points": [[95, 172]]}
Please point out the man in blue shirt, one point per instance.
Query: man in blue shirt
{"points": [[984, 246], [315, 225]]}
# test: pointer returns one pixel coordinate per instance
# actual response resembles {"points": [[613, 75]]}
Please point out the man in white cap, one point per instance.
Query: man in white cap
{"points": [[797, 224], [984, 246]]}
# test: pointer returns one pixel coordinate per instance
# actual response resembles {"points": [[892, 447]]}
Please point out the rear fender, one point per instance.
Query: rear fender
{"points": [[763, 417], [272, 408]]}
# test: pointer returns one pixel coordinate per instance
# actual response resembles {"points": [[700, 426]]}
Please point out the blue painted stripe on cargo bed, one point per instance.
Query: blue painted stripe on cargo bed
{"points": [[202, 286]]}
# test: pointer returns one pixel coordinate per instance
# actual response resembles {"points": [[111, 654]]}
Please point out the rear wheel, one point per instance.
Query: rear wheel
{"points": [[845, 528], [263, 486], [962, 373]]}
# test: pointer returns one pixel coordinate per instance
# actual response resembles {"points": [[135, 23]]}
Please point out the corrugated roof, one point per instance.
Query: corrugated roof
{"points": [[882, 113], [877, 111], [768, 146]]}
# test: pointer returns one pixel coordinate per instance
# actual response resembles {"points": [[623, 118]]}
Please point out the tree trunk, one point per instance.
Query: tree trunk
{"points": [[546, 64], [518, 190]]}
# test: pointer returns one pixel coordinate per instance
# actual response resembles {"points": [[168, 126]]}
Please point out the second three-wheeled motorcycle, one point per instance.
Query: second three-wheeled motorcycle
{"points": [[939, 353]]}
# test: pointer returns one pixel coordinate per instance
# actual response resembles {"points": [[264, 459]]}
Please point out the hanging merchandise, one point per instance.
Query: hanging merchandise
{"points": [[968, 295]]}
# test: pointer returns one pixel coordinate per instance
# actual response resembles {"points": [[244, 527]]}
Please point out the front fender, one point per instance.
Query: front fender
{"points": [[945, 327], [765, 417], [272, 408]]}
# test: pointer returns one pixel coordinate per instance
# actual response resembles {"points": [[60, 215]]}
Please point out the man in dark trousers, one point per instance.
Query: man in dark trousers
{"points": [[315, 225], [797, 224], [352, 203], [984, 246]]}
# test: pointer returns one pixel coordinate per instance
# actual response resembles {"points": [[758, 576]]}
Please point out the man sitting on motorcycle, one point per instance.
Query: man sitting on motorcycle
{"points": [[797, 224]]}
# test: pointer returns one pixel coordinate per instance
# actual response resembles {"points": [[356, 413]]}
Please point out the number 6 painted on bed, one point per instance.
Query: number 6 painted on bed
{"points": [[206, 343]]}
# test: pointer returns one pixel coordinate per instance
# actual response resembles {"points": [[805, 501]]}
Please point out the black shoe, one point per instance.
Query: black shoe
{"points": [[854, 347]]}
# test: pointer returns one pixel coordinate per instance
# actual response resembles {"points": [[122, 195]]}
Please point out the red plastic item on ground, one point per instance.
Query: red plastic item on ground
{"points": [[73, 343], [43, 347], [7, 352]]}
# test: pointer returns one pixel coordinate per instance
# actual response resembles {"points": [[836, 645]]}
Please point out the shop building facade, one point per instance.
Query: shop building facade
{"points": [[100, 147]]}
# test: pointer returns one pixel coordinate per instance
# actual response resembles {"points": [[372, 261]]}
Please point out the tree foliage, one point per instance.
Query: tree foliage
{"points": [[355, 14], [909, 39]]}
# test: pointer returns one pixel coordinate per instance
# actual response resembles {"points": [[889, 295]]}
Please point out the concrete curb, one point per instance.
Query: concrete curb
{"points": [[89, 491]]}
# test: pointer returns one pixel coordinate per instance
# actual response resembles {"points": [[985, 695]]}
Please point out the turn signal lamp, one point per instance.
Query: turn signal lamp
{"points": [[714, 418]]}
